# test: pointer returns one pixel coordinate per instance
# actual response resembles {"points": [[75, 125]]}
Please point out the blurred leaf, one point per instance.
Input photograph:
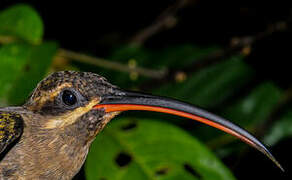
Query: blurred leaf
{"points": [[256, 107], [23, 22], [147, 149], [13, 59], [282, 128], [247, 112], [177, 57], [210, 86], [127, 52], [22, 66]]}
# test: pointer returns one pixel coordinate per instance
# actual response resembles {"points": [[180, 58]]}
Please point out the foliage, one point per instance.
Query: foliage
{"points": [[21, 22], [155, 149]]}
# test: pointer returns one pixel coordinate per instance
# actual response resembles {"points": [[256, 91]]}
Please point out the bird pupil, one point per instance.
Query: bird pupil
{"points": [[69, 98]]}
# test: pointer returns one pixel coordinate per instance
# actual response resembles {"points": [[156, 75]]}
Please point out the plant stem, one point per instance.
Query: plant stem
{"points": [[79, 57]]}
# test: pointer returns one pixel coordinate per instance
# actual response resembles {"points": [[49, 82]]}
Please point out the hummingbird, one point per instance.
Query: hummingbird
{"points": [[49, 136]]}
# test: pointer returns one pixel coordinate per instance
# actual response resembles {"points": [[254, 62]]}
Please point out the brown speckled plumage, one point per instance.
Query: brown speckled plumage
{"points": [[55, 138]]}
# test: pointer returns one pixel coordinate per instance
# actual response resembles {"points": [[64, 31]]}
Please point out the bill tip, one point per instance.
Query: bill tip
{"points": [[279, 165], [275, 161]]}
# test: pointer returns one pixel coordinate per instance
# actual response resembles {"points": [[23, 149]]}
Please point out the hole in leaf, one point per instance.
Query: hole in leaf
{"points": [[129, 126], [161, 171], [123, 159], [191, 170], [27, 68]]}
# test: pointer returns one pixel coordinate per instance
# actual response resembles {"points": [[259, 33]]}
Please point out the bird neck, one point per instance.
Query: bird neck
{"points": [[47, 154]]}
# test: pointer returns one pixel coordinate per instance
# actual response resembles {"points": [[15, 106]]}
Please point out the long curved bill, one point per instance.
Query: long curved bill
{"points": [[125, 101]]}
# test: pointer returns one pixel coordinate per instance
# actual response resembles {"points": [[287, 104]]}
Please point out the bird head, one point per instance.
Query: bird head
{"points": [[66, 99], [88, 102]]}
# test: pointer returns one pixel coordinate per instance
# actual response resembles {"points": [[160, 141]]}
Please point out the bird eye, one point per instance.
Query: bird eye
{"points": [[69, 98]]}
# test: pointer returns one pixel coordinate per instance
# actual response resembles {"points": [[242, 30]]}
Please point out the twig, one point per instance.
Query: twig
{"points": [[78, 57], [165, 20]]}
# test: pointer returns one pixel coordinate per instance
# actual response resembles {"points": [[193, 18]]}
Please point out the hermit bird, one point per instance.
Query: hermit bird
{"points": [[50, 135]]}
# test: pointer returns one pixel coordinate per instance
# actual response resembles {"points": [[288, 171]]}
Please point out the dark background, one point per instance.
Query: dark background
{"points": [[97, 26]]}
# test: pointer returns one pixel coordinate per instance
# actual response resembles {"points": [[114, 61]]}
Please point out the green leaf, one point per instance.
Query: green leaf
{"points": [[13, 60], [210, 86], [124, 53], [256, 107], [147, 149], [282, 128], [22, 66], [177, 57], [23, 22], [248, 112]]}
